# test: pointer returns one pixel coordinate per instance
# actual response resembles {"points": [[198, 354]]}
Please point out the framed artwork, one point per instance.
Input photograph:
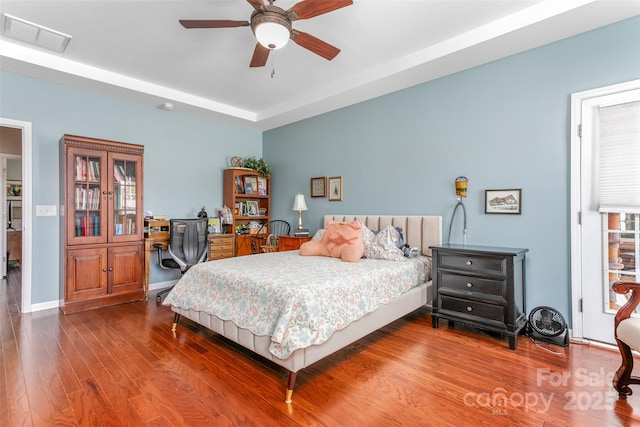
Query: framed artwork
{"points": [[239, 185], [335, 189], [14, 190], [503, 201], [250, 185], [252, 208], [319, 187], [214, 225], [262, 186]]}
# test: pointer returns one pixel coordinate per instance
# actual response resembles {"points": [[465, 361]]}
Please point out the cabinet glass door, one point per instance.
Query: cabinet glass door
{"points": [[125, 182], [87, 197]]}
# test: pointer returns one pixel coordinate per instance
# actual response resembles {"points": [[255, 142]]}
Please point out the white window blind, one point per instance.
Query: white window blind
{"points": [[619, 157]]}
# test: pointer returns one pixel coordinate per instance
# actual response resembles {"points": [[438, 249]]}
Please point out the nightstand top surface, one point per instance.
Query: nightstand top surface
{"points": [[479, 248]]}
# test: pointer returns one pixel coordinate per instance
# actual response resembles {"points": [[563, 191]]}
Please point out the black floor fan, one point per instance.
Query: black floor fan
{"points": [[548, 325]]}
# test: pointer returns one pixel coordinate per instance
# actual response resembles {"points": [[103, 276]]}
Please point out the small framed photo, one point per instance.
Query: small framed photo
{"points": [[239, 185], [503, 201], [335, 189], [262, 186], [319, 187], [14, 190], [252, 208], [214, 225], [250, 185]]}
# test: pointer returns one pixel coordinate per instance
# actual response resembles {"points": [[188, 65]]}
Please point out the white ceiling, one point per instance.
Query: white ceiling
{"points": [[136, 49]]}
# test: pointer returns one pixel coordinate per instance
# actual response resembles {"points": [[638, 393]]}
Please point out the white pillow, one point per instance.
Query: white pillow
{"points": [[384, 245]]}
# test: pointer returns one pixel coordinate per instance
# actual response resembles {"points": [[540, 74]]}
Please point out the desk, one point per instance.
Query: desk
{"points": [[220, 246]]}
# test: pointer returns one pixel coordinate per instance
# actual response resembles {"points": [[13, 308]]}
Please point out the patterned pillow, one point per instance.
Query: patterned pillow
{"points": [[367, 235], [384, 245]]}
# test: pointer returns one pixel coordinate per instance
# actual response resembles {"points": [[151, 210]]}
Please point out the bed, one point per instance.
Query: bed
{"points": [[285, 338]]}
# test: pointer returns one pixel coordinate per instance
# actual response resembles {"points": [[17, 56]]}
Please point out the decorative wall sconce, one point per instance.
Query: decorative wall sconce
{"points": [[461, 183]]}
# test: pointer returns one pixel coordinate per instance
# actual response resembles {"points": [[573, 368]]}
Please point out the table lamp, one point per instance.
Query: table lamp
{"points": [[299, 205]]}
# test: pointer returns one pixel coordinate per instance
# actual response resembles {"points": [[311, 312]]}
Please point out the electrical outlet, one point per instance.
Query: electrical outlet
{"points": [[45, 210]]}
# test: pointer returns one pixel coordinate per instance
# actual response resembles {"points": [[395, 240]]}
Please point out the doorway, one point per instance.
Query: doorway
{"points": [[12, 201], [24, 189], [605, 204]]}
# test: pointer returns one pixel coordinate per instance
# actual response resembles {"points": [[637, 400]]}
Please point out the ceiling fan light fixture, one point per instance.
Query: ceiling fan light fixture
{"points": [[271, 30]]}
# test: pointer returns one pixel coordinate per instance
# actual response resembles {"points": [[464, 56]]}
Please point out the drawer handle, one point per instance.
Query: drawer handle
{"points": [[469, 309], [469, 285], [469, 262]]}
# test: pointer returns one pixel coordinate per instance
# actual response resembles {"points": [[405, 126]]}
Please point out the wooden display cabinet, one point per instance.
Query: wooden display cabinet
{"points": [[102, 225]]}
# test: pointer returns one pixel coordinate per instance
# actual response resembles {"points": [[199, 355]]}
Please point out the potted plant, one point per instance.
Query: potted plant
{"points": [[258, 165]]}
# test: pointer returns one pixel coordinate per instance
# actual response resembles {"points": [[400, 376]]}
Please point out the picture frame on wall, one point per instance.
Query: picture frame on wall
{"points": [[319, 187], [14, 190], [503, 201], [335, 189]]}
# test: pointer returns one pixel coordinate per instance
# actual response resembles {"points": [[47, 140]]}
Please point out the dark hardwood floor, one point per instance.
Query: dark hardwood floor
{"points": [[122, 366]]}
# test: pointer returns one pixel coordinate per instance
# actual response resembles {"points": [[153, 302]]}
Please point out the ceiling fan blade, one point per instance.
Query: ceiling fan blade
{"points": [[260, 55], [310, 8], [213, 23], [258, 5], [314, 44]]}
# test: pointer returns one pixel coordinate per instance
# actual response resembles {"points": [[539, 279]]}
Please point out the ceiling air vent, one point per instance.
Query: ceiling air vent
{"points": [[35, 34]]}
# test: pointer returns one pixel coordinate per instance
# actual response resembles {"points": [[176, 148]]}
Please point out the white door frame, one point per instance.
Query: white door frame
{"points": [[575, 225], [27, 194]]}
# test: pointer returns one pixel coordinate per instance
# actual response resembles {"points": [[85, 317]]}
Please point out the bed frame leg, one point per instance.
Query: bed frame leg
{"points": [[175, 322], [290, 383]]}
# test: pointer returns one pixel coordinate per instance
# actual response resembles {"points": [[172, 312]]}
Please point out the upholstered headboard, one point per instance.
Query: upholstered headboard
{"points": [[419, 231]]}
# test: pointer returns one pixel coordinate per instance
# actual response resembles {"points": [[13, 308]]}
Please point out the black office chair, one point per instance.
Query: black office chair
{"points": [[188, 246], [276, 227]]}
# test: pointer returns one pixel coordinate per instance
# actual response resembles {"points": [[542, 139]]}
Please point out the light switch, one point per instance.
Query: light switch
{"points": [[45, 210]]}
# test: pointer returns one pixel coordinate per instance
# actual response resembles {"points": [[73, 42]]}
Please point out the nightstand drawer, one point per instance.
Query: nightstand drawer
{"points": [[220, 255], [474, 308], [464, 262], [471, 284], [221, 246]]}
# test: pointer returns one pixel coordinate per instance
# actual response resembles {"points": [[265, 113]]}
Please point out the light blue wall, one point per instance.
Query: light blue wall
{"points": [[502, 125], [183, 164]]}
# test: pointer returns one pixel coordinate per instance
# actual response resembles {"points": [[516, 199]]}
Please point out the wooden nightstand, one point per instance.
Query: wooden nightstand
{"points": [[220, 246], [480, 286], [291, 243]]}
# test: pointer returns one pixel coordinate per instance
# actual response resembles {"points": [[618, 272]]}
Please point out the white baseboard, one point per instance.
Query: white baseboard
{"points": [[46, 305], [162, 285]]}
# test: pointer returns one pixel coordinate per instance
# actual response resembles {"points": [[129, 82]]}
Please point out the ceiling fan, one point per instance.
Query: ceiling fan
{"points": [[272, 27]]}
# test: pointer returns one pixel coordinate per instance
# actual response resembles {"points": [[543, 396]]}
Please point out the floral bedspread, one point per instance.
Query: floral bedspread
{"points": [[298, 300]]}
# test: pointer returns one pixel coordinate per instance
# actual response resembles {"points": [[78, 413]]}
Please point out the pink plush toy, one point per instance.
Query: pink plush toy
{"points": [[340, 240]]}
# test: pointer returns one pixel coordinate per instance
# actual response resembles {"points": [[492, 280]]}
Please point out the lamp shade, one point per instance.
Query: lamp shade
{"points": [[299, 204]]}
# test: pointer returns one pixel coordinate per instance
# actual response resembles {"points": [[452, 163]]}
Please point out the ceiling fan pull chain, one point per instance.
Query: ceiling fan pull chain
{"points": [[273, 66]]}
